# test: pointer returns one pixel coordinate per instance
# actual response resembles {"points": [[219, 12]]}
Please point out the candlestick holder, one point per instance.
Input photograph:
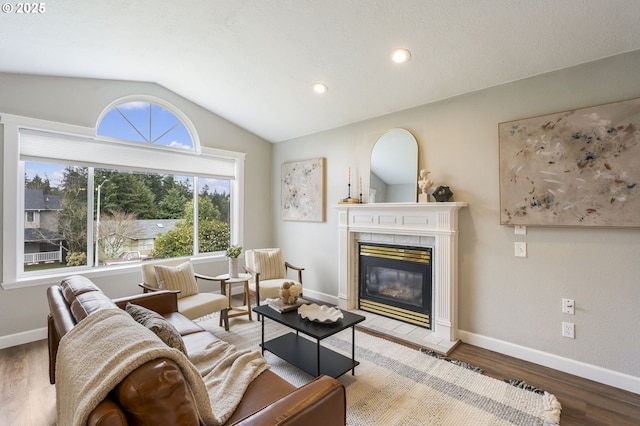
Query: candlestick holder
{"points": [[349, 200]]}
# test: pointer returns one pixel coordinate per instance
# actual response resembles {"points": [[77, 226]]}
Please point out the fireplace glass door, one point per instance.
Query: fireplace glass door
{"points": [[396, 282]]}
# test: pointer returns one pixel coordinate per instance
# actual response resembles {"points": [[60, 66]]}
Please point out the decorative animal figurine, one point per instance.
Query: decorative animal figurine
{"points": [[289, 292]]}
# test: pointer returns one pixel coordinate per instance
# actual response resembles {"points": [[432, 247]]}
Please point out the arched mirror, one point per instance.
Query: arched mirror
{"points": [[394, 168]]}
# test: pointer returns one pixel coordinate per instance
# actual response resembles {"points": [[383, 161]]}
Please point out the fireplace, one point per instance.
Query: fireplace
{"points": [[426, 225], [396, 282]]}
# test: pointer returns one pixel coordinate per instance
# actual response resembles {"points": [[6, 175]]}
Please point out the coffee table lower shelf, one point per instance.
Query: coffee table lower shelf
{"points": [[304, 354]]}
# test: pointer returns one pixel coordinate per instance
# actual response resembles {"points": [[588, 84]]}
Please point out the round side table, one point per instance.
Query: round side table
{"points": [[225, 285]]}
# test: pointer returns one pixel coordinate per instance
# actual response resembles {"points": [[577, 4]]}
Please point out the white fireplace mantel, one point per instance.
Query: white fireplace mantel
{"points": [[417, 224]]}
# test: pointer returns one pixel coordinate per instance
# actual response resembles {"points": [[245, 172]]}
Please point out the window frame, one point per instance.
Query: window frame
{"points": [[15, 127]]}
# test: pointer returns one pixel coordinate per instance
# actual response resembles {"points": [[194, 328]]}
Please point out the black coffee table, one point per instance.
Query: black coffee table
{"points": [[302, 352]]}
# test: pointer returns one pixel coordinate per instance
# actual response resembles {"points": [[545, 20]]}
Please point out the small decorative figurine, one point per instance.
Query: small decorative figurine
{"points": [[442, 194], [424, 183], [289, 292]]}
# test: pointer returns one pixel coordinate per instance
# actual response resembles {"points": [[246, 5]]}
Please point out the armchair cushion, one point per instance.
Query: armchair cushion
{"points": [[270, 289], [269, 263], [179, 277], [156, 323], [201, 304]]}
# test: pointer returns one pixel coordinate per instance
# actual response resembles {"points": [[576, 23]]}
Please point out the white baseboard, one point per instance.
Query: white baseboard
{"points": [[23, 337], [577, 368]]}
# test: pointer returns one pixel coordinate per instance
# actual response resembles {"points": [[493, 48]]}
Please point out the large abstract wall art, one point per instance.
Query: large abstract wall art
{"points": [[574, 168], [302, 190]]}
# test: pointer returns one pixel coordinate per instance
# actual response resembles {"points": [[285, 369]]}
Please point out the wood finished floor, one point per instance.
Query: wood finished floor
{"points": [[27, 398]]}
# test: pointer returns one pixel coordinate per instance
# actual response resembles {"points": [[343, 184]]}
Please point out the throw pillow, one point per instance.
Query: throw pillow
{"points": [[156, 323], [270, 264], [179, 277]]}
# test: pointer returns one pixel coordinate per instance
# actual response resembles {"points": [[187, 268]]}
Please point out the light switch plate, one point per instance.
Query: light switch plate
{"points": [[568, 306], [520, 230], [521, 249]]}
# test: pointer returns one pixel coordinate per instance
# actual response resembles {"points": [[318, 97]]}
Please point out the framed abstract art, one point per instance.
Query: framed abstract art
{"points": [[574, 168], [302, 190]]}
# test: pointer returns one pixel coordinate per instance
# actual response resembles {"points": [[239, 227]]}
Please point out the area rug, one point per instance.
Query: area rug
{"points": [[397, 385]]}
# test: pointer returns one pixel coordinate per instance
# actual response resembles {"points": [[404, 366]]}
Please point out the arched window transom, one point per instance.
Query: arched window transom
{"points": [[145, 122]]}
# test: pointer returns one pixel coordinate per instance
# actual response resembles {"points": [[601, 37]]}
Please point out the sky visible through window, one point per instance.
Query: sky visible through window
{"points": [[53, 172]]}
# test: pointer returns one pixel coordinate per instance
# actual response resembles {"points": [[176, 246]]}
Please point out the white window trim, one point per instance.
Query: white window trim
{"points": [[41, 133]]}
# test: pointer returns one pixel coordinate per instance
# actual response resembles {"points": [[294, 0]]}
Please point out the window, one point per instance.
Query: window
{"points": [[145, 122], [147, 244], [128, 194]]}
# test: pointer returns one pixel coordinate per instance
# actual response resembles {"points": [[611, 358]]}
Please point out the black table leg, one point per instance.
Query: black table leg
{"points": [[262, 335], [318, 356], [353, 349]]}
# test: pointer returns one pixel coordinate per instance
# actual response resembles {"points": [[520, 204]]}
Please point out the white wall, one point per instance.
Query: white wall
{"points": [[23, 312], [507, 303]]}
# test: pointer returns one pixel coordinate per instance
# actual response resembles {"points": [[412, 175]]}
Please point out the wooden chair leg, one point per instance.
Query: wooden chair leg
{"points": [[247, 299], [258, 316], [224, 316]]}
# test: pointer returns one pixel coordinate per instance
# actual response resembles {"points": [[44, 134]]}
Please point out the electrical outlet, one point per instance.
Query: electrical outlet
{"points": [[568, 306], [569, 330], [521, 249]]}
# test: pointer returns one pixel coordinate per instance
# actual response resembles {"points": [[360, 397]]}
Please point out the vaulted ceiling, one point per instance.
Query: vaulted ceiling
{"points": [[253, 62]]}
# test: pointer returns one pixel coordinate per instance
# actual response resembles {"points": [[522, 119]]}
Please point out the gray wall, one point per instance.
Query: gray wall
{"points": [[23, 312], [504, 301]]}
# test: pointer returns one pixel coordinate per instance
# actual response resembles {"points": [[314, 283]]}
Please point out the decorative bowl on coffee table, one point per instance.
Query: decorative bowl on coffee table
{"points": [[321, 314]]}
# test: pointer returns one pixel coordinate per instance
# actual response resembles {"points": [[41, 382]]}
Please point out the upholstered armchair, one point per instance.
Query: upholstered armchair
{"points": [[269, 271], [178, 275]]}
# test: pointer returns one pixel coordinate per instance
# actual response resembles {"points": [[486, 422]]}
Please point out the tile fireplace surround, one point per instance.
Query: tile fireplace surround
{"points": [[432, 225]]}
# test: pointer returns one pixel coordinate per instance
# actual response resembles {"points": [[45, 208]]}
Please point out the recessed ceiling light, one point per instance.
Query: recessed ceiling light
{"points": [[320, 88], [400, 56]]}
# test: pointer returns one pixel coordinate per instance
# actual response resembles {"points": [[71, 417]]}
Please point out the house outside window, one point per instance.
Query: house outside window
{"points": [[42, 241], [141, 193], [146, 244]]}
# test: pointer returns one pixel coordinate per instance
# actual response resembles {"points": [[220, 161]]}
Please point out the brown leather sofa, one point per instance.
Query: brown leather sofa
{"points": [[143, 399]]}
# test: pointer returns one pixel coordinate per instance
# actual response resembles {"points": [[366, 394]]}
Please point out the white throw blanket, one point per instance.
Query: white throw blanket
{"points": [[101, 350]]}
